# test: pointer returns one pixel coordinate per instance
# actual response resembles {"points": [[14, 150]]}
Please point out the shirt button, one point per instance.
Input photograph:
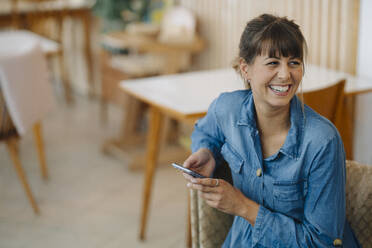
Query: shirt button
{"points": [[259, 172], [337, 242]]}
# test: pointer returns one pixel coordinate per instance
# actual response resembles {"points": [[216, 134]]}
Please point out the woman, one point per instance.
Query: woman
{"points": [[287, 161]]}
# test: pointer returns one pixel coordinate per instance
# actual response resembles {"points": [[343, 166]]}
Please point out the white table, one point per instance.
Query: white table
{"points": [[187, 96], [190, 94]]}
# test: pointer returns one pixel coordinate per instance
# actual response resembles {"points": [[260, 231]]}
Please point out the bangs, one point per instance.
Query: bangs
{"points": [[272, 36], [278, 40]]}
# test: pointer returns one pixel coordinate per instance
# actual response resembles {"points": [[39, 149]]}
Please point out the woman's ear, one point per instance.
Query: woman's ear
{"points": [[245, 72], [244, 68]]}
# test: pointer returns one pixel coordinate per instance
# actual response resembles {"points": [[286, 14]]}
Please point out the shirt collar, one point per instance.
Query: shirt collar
{"points": [[292, 143], [248, 112]]}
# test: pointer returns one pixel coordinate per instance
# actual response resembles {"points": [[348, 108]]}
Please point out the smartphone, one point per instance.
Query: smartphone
{"points": [[187, 171]]}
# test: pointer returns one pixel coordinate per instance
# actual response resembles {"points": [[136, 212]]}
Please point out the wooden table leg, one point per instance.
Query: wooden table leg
{"points": [[153, 143], [88, 52], [65, 79]]}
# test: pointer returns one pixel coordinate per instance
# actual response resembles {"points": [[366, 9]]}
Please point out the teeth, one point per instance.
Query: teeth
{"points": [[279, 88]]}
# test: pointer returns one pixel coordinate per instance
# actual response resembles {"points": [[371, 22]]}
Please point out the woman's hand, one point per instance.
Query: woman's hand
{"points": [[201, 162], [223, 196]]}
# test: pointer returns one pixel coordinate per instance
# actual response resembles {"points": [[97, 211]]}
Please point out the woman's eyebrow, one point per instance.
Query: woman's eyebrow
{"points": [[272, 57], [276, 57]]}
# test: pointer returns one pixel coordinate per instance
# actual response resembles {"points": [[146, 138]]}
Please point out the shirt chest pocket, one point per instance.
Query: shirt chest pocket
{"points": [[289, 197], [235, 163]]}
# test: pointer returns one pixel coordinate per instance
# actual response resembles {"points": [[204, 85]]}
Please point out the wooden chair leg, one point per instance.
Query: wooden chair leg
{"points": [[64, 78], [188, 227], [11, 145], [40, 149], [134, 115]]}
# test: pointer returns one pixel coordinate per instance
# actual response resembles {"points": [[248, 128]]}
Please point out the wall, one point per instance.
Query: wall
{"points": [[363, 130], [329, 26]]}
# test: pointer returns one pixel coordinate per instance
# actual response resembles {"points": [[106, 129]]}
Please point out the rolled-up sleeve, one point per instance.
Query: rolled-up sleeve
{"points": [[207, 133], [324, 207]]}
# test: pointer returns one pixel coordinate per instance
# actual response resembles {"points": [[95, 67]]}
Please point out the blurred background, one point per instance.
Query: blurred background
{"points": [[90, 137]]}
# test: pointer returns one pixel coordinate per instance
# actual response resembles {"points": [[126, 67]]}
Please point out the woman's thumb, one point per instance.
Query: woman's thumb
{"points": [[192, 159]]}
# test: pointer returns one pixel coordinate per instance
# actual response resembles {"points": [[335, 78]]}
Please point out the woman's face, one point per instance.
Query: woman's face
{"points": [[274, 80]]}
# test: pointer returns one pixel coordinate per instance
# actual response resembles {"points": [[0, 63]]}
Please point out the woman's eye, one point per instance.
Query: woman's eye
{"points": [[272, 63], [295, 63]]}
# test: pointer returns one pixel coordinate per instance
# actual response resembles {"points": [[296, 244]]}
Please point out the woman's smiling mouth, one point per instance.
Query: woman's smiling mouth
{"points": [[281, 90]]}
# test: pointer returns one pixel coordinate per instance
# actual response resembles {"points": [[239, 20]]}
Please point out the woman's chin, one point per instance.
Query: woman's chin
{"points": [[280, 103]]}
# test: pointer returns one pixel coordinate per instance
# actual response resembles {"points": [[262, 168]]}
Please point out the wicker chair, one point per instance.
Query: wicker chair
{"points": [[209, 226], [359, 200], [9, 135]]}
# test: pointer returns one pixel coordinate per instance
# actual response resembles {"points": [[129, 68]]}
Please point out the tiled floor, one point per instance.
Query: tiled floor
{"points": [[91, 200]]}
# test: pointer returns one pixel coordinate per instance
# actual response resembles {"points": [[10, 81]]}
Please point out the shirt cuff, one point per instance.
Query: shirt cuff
{"points": [[257, 229]]}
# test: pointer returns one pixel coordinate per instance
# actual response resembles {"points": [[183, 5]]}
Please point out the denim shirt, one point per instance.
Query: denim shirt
{"points": [[300, 189]]}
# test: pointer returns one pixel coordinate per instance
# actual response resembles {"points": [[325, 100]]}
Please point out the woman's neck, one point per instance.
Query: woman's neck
{"points": [[272, 121]]}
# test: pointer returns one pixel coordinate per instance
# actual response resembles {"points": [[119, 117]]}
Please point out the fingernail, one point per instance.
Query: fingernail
{"points": [[188, 185], [193, 180]]}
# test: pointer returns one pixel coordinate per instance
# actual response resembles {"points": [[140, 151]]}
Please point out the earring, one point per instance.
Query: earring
{"points": [[247, 83]]}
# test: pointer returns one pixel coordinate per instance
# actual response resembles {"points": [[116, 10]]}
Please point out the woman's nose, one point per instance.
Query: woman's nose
{"points": [[283, 73]]}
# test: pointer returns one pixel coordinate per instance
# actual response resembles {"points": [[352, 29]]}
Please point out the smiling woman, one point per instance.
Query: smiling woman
{"points": [[287, 161]]}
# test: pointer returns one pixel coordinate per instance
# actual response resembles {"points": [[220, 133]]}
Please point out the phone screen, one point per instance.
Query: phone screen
{"points": [[188, 171]]}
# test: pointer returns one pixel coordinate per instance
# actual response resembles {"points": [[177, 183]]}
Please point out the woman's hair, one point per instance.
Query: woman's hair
{"points": [[272, 35]]}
